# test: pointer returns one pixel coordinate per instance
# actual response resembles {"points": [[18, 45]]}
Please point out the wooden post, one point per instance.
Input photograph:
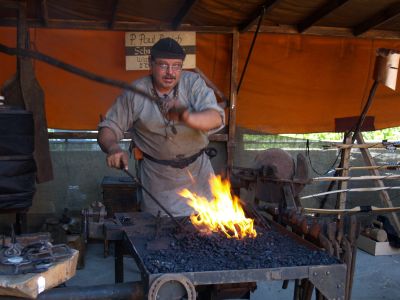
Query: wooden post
{"points": [[379, 183], [232, 103], [22, 28], [341, 200]]}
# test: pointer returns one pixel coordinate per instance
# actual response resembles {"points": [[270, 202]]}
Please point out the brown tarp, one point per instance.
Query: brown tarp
{"points": [[293, 84]]}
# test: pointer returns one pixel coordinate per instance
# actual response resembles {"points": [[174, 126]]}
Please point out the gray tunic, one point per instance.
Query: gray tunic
{"points": [[153, 135]]}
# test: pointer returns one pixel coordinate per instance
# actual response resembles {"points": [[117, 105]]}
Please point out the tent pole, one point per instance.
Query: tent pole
{"points": [[232, 103]]}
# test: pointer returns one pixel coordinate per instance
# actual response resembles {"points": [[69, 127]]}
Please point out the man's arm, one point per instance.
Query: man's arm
{"points": [[108, 142], [204, 120]]}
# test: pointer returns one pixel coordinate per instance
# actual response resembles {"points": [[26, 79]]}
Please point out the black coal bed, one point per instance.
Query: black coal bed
{"points": [[160, 247]]}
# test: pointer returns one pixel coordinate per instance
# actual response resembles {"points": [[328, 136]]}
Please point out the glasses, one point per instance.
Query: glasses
{"points": [[165, 67]]}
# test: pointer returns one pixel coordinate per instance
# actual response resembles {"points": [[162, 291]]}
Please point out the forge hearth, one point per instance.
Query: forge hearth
{"points": [[160, 249], [194, 252]]}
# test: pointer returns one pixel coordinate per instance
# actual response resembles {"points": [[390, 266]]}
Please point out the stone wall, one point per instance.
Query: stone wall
{"points": [[79, 168]]}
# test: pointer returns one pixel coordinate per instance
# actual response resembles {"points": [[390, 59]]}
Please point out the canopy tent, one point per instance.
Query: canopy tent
{"points": [[294, 83]]}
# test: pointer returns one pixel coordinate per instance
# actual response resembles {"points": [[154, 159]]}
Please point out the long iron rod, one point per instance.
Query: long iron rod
{"points": [[137, 181], [369, 189], [251, 48], [387, 166], [355, 178], [354, 210], [20, 52], [72, 69]]}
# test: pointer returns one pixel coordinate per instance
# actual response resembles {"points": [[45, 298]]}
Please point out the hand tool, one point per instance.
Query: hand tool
{"points": [[137, 181]]}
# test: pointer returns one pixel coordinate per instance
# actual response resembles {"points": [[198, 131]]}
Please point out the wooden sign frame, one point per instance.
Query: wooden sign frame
{"points": [[138, 45]]}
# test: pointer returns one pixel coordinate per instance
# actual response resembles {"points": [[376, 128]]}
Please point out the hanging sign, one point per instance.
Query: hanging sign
{"points": [[138, 45], [386, 67]]}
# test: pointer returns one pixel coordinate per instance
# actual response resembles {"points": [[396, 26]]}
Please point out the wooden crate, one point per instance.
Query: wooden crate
{"points": [[119, 195]]}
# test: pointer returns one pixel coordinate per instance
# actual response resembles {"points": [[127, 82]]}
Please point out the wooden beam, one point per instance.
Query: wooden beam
{"points": [[319, 14], [183, 12], [345, 163], [9, 4], [329, 31], [268, 6], [232, 104], [218, 137], [78, 135], [118, 26], [114, 10], [366, 145], [82, 135], [382, 17], [138, 26], [45, 13], [22, 27]]}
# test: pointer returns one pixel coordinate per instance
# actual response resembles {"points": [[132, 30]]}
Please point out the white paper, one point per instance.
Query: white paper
{"points": [[41, 284]]}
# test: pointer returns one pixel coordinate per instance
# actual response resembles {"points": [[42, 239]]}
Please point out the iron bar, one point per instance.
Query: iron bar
{"points": [[137, 181], [72, 69], [251, 48], [370, 189]]}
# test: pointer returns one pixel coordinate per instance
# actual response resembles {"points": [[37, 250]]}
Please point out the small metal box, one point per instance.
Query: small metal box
{"points": [[119, 195]]}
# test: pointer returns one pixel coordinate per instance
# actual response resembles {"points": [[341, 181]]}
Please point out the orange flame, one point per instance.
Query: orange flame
{"points": [[222, 213]]}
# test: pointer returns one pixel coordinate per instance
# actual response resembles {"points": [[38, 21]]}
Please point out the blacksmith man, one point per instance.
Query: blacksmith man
{"points": [[171, 132]]}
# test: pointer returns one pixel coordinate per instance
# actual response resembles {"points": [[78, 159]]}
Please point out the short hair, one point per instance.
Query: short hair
{"points": [[167, 48]]}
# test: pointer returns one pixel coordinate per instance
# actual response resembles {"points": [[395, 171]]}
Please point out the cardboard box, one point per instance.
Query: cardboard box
{"points": [[376, 248]]}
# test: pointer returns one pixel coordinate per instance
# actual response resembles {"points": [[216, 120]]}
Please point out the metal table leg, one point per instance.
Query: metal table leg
{"points": [[119, 261]]}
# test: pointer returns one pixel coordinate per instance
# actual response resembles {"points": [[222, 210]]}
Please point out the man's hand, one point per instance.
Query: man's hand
{"points": [[117, 158], [177, 112]]}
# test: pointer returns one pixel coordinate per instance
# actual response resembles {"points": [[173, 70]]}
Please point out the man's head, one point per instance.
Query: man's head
{"points": [[166, 60]]}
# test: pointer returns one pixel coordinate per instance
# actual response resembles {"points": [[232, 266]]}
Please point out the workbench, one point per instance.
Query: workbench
{"points": [[132, 228]]}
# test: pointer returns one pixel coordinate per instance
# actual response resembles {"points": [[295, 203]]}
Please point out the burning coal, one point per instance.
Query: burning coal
{"points": [[221, 214]]}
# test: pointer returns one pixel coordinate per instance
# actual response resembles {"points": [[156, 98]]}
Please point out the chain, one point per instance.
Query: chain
{"points": [[164, 105]]}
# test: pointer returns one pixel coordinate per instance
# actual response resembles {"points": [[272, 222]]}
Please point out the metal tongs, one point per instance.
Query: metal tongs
{"points": [[137, 181]]}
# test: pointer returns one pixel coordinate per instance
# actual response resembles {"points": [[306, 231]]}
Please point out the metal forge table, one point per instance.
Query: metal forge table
{"points": [[133, 230]]}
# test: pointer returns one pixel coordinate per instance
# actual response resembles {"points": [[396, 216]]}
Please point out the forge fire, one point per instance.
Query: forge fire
{"points": [[222, 214]]}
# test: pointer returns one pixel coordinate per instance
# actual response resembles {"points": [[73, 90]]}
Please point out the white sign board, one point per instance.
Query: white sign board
{"points": [[386, 67], [138, 45]]}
